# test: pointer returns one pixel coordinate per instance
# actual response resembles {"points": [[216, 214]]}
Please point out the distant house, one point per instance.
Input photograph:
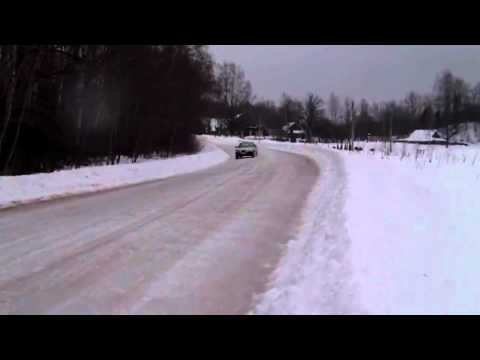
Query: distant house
{"points": [[294, 131], [424, 137]]}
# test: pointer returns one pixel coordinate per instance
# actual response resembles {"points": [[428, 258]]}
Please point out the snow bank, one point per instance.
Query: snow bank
{"points": [[16, 190], [414, 233], [224, 140], [315, 274], [411, 244]]}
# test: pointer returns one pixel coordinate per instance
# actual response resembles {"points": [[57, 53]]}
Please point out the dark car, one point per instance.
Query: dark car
{"points": [[246, 149]]}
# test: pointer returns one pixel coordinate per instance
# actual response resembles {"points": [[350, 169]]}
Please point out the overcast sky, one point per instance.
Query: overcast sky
{"points": [[371, 72]]}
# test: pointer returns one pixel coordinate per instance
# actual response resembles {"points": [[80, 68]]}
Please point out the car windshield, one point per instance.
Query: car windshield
{"points": [[245, 144]]}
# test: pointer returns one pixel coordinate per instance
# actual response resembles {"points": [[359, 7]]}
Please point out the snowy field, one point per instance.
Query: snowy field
{"points": [[16, 190], [423, 156], [382, 234], [413, 223]]}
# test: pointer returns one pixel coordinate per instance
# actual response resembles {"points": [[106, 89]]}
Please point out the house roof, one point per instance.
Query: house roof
{"points": [[424, 136], [291, 125]]}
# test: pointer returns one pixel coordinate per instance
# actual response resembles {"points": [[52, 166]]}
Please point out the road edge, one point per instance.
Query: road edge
{"points": [[307, 264]]}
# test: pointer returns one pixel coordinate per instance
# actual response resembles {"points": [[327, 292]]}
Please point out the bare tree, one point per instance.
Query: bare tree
{"points": [[390, 118], [333, 107], [375, 110], [475, 97], [413, 102], [312, 113], [11, 85], [350, 116], [450, 94], [353, 123], [290, 109], [26, 103], [234, 90]]}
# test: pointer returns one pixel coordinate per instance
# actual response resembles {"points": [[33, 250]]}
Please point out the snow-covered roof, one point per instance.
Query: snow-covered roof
{"points": [[424, 136], [289, 126]]}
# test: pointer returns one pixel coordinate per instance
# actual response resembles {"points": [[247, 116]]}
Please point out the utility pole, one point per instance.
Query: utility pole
{"points": [[237, 117], [391, 131], [352, 135], [259, 126]]}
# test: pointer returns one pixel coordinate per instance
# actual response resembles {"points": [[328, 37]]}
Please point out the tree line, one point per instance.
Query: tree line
{"points": [[75, 105], [451, 102]]}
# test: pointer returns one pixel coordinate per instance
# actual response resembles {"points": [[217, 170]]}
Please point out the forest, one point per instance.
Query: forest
{"points": [[76, 105]]}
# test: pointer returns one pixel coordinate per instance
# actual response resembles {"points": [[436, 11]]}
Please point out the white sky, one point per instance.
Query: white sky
{"points": [[382, 72]]}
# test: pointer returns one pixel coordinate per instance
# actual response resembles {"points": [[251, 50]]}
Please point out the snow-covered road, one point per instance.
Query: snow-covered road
{"points": [[201, 243]]}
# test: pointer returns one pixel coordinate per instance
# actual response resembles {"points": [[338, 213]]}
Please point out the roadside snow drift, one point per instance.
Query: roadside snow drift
{"points": [[412, 235], [414, 230], [16, 190], [315, 273]]}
